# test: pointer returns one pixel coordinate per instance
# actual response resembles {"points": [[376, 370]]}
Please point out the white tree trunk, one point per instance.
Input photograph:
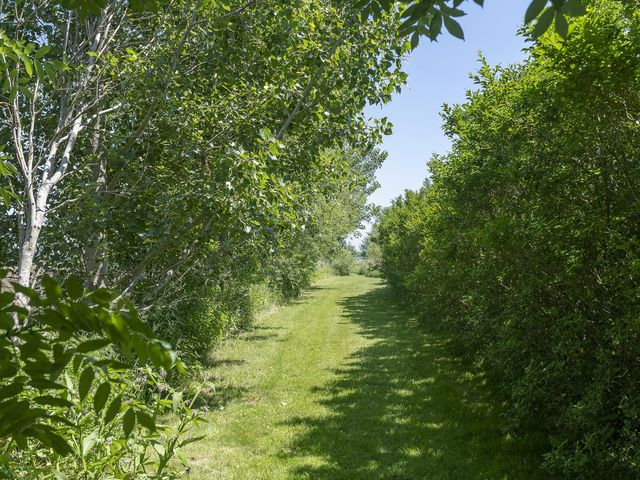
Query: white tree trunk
{"points": [[36, 208]]}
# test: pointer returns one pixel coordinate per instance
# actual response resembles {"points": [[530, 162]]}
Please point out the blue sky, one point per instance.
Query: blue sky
{"points": [[438, 74]]}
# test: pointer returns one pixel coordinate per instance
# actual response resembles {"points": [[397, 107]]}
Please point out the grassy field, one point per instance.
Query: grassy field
{"points": [[344, 385]]}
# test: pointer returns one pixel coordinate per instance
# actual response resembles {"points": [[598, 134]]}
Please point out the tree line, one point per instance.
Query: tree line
{"points": [[524, 241], [187, 161]]}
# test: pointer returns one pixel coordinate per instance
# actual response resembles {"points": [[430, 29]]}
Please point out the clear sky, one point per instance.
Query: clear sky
{"points": [[438, 74]]}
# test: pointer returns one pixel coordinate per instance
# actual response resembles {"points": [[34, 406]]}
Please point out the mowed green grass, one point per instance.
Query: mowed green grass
{"points": [[344, 384]]}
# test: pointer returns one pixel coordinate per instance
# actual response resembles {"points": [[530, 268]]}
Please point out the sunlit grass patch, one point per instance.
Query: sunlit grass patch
{"points": [[351, 388]]}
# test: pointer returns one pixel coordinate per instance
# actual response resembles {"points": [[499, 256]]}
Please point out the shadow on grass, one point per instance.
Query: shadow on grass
{"points": [[403, 408], [224, 362], [307, 294], [221, 396], [315, 288], [256, 337], [225, 392]]}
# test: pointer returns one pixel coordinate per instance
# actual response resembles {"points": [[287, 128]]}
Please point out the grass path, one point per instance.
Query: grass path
{"points": [[344, 385]]}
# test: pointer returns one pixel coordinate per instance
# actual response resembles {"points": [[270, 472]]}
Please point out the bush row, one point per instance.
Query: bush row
{"points": [[525, 244]]}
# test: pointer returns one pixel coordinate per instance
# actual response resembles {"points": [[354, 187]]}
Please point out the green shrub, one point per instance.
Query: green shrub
{"points": [[367, 268], [262, 298], [343, 262], [68, 408], [526, 246], [289, 272], [207, 314]]}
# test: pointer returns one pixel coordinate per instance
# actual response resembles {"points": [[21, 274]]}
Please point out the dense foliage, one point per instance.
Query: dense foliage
{"points": [[526, 242], [198, 157], [184, 156], [70, 409]]}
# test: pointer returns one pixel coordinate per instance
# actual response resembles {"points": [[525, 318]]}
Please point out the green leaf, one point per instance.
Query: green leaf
{"points": [[407, 26], [53, 318], [574, 8], [415, 40], [42, 75], [28, 67], [28, 48], [182, 457], [12, 390], [112, 364], [159, 448], [435, 25], [141, 347], [6, 321], [156, 356], [84, 384], [451, 12], [6, 298], [53, 401], [562, 27], [51, 288], [113, 409], [77, 361], [89, 441], [42, 51], [146, 421], [73, 286], [535, 8], [29, 292], [453, 27], [17, 417], [92, 345], [55, 441], [58, 419], [128, 421], [7, 370], [43, 384], [51, 72], [101, 296], [191, 440], [543, 22], [144, 5], [102, 394]]}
